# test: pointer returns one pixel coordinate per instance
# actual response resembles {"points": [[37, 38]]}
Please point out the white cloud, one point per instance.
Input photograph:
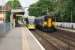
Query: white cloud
{"points": [[3, 2], [27, 3]]}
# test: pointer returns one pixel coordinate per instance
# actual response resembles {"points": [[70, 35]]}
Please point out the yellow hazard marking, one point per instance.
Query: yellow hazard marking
{"points": [[49, 22], [31, 26]]}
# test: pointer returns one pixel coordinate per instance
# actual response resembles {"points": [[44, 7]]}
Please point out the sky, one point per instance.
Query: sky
{"points": [[27, 3], [24, 3]]}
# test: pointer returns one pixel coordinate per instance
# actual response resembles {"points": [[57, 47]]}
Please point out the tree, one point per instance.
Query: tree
{"points": [[8, 16], [14, 4], [62, 9]]}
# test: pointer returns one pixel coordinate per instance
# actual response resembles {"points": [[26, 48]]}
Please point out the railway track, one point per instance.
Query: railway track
{"points": [[66, 38], [58, 40], [44, 42]]}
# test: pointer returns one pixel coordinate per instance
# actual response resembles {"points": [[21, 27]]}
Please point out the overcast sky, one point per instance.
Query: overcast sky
{"points": [[27, 3], [24, 3]]}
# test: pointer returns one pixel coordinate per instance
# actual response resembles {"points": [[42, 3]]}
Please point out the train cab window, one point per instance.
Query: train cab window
{"points": [[45, 18], [27, 20]]}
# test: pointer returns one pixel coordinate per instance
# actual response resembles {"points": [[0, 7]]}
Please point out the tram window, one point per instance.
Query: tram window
{"points": [[26, 20]]}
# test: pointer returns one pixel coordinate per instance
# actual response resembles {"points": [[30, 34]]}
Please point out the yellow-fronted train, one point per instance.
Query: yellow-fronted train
{"points": [[45, 23], [30, 22]]}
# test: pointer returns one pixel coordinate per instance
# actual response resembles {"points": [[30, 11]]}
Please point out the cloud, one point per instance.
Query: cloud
{"points": [[3, 2], [27, 3]]}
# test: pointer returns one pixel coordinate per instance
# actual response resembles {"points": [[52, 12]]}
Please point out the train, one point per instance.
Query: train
{"points": [[30, 22], [45, 23]]}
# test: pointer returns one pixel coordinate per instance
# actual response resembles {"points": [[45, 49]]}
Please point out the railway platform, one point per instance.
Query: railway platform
{"points": [[19, 38]]}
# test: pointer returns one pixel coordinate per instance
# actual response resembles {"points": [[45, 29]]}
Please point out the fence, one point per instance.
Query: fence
{"points": [[66, 25], [5, 27]]}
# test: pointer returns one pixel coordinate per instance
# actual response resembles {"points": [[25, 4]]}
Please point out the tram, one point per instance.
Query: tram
{"points": [[30, 22]]}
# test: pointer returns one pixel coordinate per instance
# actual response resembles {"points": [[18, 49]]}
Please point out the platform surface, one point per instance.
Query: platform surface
{"points": [[19, 38], [13, 40]]}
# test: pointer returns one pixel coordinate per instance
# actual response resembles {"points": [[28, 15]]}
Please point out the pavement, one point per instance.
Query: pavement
{"points": [[19, 38], [13, 40]]}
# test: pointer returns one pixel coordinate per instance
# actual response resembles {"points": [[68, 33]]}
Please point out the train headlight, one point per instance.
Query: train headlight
{"points": [[44, 23]]}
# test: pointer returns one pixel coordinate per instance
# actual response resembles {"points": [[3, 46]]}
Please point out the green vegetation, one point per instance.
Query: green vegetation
{"points": [[17, 19], [7, 19], [14, 4], [62, 10]]}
